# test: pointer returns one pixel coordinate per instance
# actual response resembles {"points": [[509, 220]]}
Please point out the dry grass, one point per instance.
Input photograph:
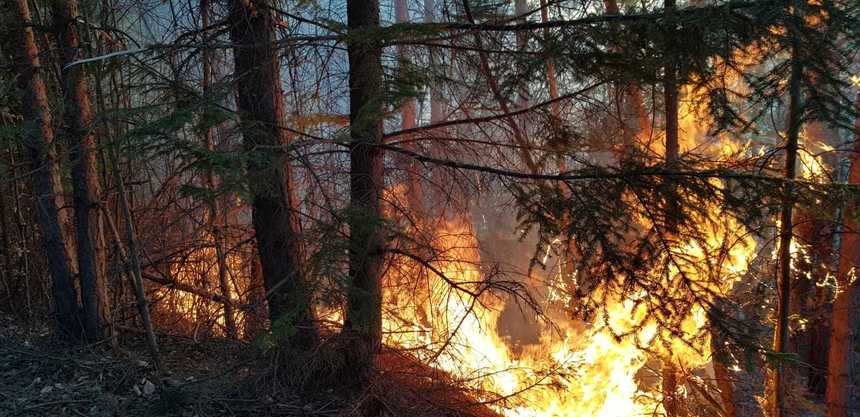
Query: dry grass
{"points": [[39, 377]]}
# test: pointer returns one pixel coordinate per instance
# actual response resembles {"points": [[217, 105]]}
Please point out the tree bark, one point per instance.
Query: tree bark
{"points": [[85, 181], [552, 82], [722, 374], [672, 401], [275, 217], [634, 116], [408, 119], [840, 372], [363, 324], [216, 222], [670, 90], [39, 142], [783, 307], [132, 260], [437, 101]]}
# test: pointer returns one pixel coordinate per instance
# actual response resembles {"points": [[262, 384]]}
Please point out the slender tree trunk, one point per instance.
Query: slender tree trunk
{"points": [[23, 237], [275, 216], [86, 192], [670, 90], [216, 220], [39, 142], [7, 259], [671, 403], [408, 119], [551, 81], [437, 101], [366, 243], [840, 372], [783, 288], [523, 95], [634, 116], [133, 258]]}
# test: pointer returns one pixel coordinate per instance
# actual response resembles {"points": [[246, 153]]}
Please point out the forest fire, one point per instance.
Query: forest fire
{"points": [[576, 368], [424, 208]]}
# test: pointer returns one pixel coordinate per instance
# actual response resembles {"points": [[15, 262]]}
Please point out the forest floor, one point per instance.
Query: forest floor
{"points": [[40, 377]]}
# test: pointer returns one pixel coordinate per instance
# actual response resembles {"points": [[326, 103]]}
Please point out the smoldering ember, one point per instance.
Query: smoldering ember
{"points": [[430, 208]]}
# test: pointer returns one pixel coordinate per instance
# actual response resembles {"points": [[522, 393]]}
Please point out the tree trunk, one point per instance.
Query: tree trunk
{"points": [[670, 90], [131, 258], [437, 101], [86, 187], [672, 401], [363, 322], [521, 9], [783, 288], [216, 222], [810, 301], [840, 372], [671, 145], [634, 116], [275, 217], [408, 119], [551, 81], [39, 142], [719, 356]]}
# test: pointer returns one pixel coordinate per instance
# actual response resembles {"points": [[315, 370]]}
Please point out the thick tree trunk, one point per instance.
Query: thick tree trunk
{"points": [[840, 372], [276, 220], [85, 181], [783, 287], [366, 243], [216, 222], [38, 139]]}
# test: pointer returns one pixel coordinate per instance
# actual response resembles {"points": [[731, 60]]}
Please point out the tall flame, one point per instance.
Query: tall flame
{"points": [[576, 369]]}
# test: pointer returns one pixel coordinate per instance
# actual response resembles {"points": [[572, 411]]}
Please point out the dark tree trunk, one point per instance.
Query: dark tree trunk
{"points": [[276, 221], [132, 259], [39, 141], [366, 244], [670, 98], [670, 89], [86, 188], [783, 288], [634, 116], [216, 219], [671, 401]]}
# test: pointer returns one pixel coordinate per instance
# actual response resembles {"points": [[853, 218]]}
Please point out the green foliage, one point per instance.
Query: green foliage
{"points": [[409, 81]]}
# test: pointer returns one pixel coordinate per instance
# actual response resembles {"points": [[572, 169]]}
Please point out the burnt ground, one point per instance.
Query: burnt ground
{"points": [[40, 377]]}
